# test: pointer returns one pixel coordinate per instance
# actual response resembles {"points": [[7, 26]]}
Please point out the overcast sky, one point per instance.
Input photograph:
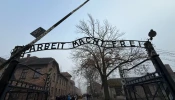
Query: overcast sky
{"points": [[19, 18]]}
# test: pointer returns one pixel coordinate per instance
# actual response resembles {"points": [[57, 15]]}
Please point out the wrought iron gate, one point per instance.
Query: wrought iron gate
{"points": [[158, 85], [19, 89], [148, 87]]}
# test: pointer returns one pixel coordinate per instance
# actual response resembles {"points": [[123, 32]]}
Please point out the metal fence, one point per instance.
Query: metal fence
{"points": [[148, 87]]}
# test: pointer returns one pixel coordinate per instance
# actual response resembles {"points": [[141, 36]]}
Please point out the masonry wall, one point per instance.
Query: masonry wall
{"points": [[30, 74], [60, 85]]}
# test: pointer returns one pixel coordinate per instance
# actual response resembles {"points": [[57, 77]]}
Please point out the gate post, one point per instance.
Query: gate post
{"points": [[8, 72], [160, 67], [6, 77]]}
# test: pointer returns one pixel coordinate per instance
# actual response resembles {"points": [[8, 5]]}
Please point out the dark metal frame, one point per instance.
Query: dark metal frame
{"points": [[161, 80], [21, 87]]}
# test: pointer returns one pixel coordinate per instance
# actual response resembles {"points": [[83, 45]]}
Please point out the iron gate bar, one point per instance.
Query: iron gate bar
{"points": [[137, 94], [151, 76], [130, 93], [47, 75], [125, 92], [32, 69], [27, 86], [129, 83], [155, 93], [165, 90], [7, 75], [137, 64], [145, 92], [162, 91], [134, 92], [27, 91], [147, 83]]}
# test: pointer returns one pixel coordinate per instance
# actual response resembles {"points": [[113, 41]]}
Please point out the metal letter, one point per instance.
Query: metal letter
{"points": [[46, 46], [39, 47], [53, 46], [122, 43]]}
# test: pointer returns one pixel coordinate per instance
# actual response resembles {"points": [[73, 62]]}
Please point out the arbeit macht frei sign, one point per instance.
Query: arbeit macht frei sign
{"points": [[85, 40]]}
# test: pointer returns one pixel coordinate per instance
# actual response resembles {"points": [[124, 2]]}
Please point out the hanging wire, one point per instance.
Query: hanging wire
{"points": [[5, 56], [168, 53], [164, 54], [165, 50], [172, 60]]}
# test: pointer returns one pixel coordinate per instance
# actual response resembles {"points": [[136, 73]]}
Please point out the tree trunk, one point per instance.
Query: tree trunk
{"points": [[105, 86], [91, 87]]}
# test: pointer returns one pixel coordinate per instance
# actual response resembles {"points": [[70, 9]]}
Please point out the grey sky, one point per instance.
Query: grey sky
{"points": [[134, 17]]}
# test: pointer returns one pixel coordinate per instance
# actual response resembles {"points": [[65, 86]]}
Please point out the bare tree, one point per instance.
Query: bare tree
{"points": [[89, 73], [104, 60]]}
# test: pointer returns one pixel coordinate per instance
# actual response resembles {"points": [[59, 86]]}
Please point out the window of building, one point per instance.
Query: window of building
{"points": [[51, 91], [59, 93], [32, 96], [37, 75], [57, 79], [60, 80], [56, 91], [54, 77], [24, 73]]}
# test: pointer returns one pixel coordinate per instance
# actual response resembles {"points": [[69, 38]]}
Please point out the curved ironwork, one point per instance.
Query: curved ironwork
{"points": [[83, 41]]}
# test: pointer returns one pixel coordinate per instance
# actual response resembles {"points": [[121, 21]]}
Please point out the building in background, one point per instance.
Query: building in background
{"points": [[2, 60], [116, 89], [95, 89], [60, 84]]}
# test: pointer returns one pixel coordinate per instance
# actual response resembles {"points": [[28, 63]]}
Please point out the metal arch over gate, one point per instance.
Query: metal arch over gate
{"points": [[161, 78], [82, 41]]}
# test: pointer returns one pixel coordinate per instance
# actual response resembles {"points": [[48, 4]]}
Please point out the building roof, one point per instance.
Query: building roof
{"points": [[29, 61], [36, 61], [72, 82], [114, 82], [66, 74], [2, 60], [62, 76], [96, 83]]}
